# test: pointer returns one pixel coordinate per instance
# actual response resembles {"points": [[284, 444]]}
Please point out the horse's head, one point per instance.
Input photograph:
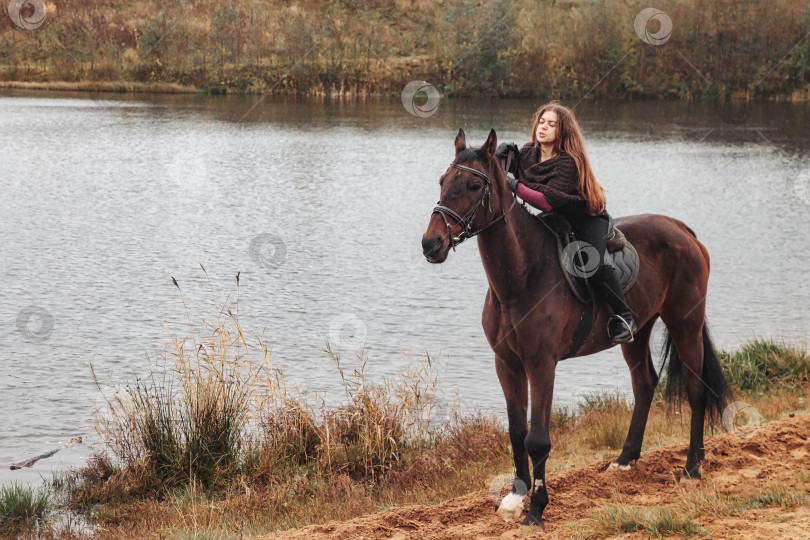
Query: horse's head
{"points": [[465, 203]]}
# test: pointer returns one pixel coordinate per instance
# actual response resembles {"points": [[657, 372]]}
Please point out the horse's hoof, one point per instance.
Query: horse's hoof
{"points": [[687, 476], [617, 467], [685, 481], [511, 507], [534, 521]]}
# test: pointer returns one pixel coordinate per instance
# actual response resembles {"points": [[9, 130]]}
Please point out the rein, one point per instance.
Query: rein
{"points": [[466, 221]]}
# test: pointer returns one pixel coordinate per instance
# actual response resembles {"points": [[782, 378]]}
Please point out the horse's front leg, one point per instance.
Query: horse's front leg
{"points": [[538, 441], [513, 380]]}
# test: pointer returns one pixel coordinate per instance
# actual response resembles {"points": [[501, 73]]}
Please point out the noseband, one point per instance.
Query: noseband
{"points": [[466, 221]]}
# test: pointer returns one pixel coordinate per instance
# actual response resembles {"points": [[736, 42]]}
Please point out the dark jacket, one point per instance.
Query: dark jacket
{"points": [[556, 178]]}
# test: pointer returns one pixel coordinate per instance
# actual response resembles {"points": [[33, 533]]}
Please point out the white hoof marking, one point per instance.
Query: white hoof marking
{"points": [[616, 467], [511, 507]]}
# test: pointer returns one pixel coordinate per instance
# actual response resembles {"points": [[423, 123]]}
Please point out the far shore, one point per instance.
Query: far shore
{"points": [[130, 87], [104, 86], [127, 87]]}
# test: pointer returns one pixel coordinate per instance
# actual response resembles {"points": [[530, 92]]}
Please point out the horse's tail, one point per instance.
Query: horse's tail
{"points": [[718, 392]]}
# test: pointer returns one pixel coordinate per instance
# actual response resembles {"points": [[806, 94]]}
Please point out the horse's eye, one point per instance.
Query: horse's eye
{"points": [[474, 187]]}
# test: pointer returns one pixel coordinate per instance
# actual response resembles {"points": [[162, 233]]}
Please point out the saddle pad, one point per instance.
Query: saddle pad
{"points": [[620, 254], [625, 261]]}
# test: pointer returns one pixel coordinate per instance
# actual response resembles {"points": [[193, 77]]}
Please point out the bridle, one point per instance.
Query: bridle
{"points": [[466, 221]]}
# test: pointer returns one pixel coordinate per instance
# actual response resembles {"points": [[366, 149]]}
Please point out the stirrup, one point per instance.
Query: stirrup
{"points": [[630, 330]]}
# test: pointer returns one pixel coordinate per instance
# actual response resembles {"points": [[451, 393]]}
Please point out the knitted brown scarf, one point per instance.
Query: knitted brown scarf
{"points": [[556, 178]]}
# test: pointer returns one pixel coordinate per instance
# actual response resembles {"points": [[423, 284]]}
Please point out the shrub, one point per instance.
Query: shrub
{"points": [[208, 414], [190, 418], [362, 438]]}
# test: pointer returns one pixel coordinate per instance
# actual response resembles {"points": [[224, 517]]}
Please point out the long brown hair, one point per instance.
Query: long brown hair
{"points": [[569, 140]]}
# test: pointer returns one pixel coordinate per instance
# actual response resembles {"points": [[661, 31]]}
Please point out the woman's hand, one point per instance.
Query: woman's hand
{"points": [[504, 151]]}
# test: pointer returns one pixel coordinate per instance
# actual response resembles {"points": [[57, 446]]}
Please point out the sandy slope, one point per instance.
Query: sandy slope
{"points": [[777, 452]]}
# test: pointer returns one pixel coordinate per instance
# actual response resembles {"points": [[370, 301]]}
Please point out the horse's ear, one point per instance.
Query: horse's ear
{"points": [[491, 144], [461, 142]]}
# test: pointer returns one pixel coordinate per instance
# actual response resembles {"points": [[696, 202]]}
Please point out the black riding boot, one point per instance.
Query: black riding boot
{"points": [[606, 283]]}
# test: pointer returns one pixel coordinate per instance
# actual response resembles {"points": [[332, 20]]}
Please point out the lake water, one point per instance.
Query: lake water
{"points": [[321, 206]]}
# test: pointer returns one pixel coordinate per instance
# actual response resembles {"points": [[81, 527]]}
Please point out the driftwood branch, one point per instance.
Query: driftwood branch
{"points": [[30, 462]]}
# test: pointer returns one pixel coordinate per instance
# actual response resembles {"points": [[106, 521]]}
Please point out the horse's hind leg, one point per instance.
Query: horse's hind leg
{"points": [[689, 344], [688, 340], [644, 379]]}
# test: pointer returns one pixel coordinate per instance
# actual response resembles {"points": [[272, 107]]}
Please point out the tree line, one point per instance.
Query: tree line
{"points": [[505, 48]]}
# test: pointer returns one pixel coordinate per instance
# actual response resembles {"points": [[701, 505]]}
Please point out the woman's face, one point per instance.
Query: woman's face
{"points": [[547, 128]]}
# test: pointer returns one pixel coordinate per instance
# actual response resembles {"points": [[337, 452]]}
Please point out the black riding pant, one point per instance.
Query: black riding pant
{"points": [[593, 230]]}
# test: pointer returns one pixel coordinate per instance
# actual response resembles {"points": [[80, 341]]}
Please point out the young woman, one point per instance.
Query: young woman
{"points": [[553, 174]]}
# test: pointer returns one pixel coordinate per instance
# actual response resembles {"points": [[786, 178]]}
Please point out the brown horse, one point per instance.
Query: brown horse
{"points": [[530, 314]]}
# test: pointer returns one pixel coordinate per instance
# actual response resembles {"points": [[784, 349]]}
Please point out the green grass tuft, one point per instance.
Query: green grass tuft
{"points": [[778, 495], [21, 508], [762, 364], [619, 519], [716, 504]]}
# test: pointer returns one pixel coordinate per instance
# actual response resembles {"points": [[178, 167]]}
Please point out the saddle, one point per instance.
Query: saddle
{"points": [[572, 255], [576, 267]]}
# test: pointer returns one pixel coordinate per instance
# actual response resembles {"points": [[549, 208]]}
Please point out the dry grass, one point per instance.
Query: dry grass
{"points": [[708, 501], [213, 439], [362, 438], [597, 433], [464, 455], [658, 522], [605, 419], [189, 421], [214, 444], [682, 516]]}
